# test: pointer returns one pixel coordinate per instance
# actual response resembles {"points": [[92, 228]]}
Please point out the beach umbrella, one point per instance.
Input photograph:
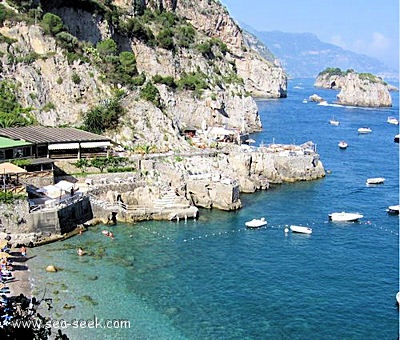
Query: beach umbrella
{"points": [[3, 243], [4, 255]]}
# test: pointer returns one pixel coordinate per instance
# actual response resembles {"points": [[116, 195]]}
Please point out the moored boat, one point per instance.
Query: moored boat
{"points": [[396, 138], [300, 229], [344, 217], [363, 130], [393, 209], [342, 144], [334, 122], [375, 180], [256, 223], [393, 120]]}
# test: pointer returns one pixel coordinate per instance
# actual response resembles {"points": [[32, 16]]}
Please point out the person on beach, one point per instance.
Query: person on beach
{"points": [[23, 251], [80, 251]]}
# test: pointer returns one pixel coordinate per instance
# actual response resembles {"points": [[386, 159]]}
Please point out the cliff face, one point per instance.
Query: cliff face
{"points": [[61, 91], [357, 89]]}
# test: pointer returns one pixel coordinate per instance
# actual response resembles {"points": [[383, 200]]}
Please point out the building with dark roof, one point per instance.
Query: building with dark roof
{"points": [[54, 142]]}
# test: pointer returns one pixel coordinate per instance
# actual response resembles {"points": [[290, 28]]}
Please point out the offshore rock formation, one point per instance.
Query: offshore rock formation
{"points": [[356, 89], [360, 91]]}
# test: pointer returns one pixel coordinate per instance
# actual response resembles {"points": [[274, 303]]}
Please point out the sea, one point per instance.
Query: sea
{"points": [[212, 278]]}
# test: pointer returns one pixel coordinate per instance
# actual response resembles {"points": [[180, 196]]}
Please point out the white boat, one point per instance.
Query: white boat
{"points": [[300, 229], [396, 138], [363, 130], [305, 101], [393, 120], [256, 223], [342, 144], [375, 180], [393, 209], [334, 122], [398, 298], [344, 217]]}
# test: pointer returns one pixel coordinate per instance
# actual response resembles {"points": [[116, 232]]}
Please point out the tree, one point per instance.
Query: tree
{"points": [[107, 48], [52, 24], [18, 310], [100, 163], [128, 62], [82, 164]]}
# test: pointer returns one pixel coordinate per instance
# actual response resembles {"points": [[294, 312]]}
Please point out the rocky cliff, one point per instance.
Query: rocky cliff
{"points": [[61, 82], [356, 89]]}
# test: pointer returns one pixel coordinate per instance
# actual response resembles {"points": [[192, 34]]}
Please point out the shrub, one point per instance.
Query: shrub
{"points": [[150, 93], [103, 117], [75, 78], [165, 39], [52, 24]]}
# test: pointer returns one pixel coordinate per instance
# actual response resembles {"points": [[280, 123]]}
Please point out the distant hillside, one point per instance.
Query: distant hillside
{"points": [[303, 55]]}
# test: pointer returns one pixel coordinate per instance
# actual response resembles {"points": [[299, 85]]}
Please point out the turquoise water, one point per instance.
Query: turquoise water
{"points": [[214, 279]]}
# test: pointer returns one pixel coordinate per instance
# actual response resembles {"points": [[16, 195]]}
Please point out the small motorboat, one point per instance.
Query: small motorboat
{"points": [[375, 180], [396, 138], [305, 101], [398, 298], [342, 144], [393, 209], [334, 122], [393, 120], [344, 217], [256, 223], [300, 229], [364, 130]]}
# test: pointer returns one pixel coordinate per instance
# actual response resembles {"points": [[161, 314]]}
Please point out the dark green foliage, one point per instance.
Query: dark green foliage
{"points": [[165, 39], [103, 117], [82, 164], [21, 162], [7, 40], [207, 48], [194, 81], [67, 41], [9, 198], [335, 71], [139, 80], [150, 93], [135, 28], [100, 163], [18, 309], [168, 80], [52, 24], [75, 78], [11, 112], [185, 36], [128, 63], [370, 77], [22, 5], [107, 48]]}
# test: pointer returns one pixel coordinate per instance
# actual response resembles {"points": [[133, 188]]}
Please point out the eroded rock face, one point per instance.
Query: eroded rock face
{"points": [[357, 89], [360, 91], [47, 83]]}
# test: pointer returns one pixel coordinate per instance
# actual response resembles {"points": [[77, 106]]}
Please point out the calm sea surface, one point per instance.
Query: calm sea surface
{"points": [[213, 279]]}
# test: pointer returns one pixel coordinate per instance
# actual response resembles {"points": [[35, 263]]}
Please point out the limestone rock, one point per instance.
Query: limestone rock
{"points": [[51, 269], [364, 91]]}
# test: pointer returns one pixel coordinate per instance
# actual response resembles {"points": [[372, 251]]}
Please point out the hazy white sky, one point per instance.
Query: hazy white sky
{"points": [[370, 27]]}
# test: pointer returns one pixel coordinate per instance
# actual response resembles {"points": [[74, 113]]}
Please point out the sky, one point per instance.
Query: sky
{"points": [[369, 27]]}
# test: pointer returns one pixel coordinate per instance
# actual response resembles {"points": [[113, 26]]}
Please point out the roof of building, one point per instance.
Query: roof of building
{"points": [[9, 168], [6, 143], [42, 134]]}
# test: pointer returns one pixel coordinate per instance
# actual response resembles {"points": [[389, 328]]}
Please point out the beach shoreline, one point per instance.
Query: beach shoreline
{"points": [[21, 275]]}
